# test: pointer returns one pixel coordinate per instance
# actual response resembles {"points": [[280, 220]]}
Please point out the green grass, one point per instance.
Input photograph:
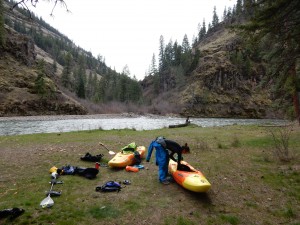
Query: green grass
{"points": [[246, 188], [230, 219], [103, 212]]}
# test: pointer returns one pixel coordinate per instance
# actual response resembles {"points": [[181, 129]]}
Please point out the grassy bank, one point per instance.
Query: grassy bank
{"points": [[249, 184]]}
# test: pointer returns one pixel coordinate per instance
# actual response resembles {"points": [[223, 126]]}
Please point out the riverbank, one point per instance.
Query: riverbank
{"points": [[249, 185], [54, 124], [67, 117]]}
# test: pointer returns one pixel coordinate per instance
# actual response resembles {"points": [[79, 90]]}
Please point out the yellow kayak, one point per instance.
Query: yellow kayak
{"points": [[126, 158], [192, 180]]}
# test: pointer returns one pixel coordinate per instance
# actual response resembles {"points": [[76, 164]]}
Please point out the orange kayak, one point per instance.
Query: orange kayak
{"points": [[192, 180], [126, 158]]}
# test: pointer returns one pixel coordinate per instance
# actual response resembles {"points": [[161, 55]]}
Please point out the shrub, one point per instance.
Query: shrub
{"points": [[280, 137], [235, 142]]}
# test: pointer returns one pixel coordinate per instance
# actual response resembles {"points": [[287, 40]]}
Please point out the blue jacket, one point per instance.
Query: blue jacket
{"points": [[161, 154]]}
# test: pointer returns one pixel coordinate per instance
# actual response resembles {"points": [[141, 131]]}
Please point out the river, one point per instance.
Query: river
{"points": [[59, 124]]}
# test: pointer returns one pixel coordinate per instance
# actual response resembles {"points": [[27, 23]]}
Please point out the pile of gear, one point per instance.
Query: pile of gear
{"points": [[48, 201], [160, 143]]}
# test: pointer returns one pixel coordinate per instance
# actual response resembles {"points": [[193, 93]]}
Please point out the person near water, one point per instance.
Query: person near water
{"points": [[187, 121], [163, 146]]}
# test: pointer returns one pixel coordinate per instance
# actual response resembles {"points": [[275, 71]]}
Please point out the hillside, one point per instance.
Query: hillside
{"points": [[73, 80], [18, 74], [216, 86], [217, 89]]}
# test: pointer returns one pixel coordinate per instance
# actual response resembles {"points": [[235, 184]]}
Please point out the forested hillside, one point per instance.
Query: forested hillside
{"points": [[69, 68], [241, 64]]}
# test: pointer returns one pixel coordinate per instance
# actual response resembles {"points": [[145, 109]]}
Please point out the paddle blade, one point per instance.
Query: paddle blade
{"points": [[47, 202], [111, 153]]}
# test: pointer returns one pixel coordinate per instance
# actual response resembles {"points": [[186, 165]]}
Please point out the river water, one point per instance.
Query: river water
{"points": [[54, 124]]}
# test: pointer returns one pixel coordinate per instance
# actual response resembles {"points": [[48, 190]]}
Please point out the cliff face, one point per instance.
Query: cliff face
{"points": [[217, 89], [18, 75]]}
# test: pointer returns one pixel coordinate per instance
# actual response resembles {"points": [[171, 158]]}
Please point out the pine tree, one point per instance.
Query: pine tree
{"points": [[178, 71], [90, 86], [121, 94], [185, 44], [203, 27], [153, 68], [177, 49], [186, 56], [134, 90], [126, 71], [248, 8], [239, 8], [202, 32], [39, 84], [162, 67], [169, 54], [225, 14], [81, 87], [215, 19], [161, 56], [209, 27], [194, 41], [229, 14], [2, 30], [66, 73], [279, 22], [195, 60], [54, 66], [80, 78], [99, 91]]}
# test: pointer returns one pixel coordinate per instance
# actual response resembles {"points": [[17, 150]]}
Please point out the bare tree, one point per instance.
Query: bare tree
{"points": [[35, 2]]}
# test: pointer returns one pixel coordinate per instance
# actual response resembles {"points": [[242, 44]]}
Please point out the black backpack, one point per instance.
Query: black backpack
{"points": [[137, 158], [109, 187]]}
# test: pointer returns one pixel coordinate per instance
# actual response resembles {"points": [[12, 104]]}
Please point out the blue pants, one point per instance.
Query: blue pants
{"points": [[162, 159], [162, 170]]}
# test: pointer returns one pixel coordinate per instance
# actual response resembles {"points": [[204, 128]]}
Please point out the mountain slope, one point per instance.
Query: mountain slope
{"points": [[217, 88], [18, 76]]}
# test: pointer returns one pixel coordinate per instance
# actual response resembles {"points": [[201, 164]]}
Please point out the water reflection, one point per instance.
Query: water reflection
{"points": [[15, 127]]}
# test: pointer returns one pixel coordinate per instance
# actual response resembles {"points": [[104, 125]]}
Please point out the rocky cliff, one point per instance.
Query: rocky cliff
{"points": [[18, 76], [217, 88]]}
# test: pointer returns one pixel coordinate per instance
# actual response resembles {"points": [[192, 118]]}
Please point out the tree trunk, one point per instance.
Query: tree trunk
{"points": [[296, 105]]}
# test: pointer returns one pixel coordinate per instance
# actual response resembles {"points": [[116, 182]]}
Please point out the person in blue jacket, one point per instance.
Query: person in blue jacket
{"points": [[162, 146]]}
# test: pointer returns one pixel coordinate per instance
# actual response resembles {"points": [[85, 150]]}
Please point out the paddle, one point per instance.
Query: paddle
{"points": [[48, 201], [109, 151]]}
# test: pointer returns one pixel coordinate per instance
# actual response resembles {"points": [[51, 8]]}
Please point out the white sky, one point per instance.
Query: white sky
{"points": [[126, 32]]}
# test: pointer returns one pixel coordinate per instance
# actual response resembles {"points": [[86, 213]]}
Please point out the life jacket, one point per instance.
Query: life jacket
{"points": [[130, 148]]}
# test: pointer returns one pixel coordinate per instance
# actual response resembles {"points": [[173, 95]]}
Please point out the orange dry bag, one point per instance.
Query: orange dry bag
{"points": [[132, 169]]}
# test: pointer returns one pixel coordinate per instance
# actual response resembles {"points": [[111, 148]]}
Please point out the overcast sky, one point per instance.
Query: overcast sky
{"points": [[126, 32]]}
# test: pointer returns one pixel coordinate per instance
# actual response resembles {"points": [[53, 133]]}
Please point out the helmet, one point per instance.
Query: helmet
{"points": [[161, 141]]}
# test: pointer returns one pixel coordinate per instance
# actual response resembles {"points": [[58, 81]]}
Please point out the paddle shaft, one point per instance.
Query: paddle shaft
{"points": [[109, 151], [51, 186]]}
